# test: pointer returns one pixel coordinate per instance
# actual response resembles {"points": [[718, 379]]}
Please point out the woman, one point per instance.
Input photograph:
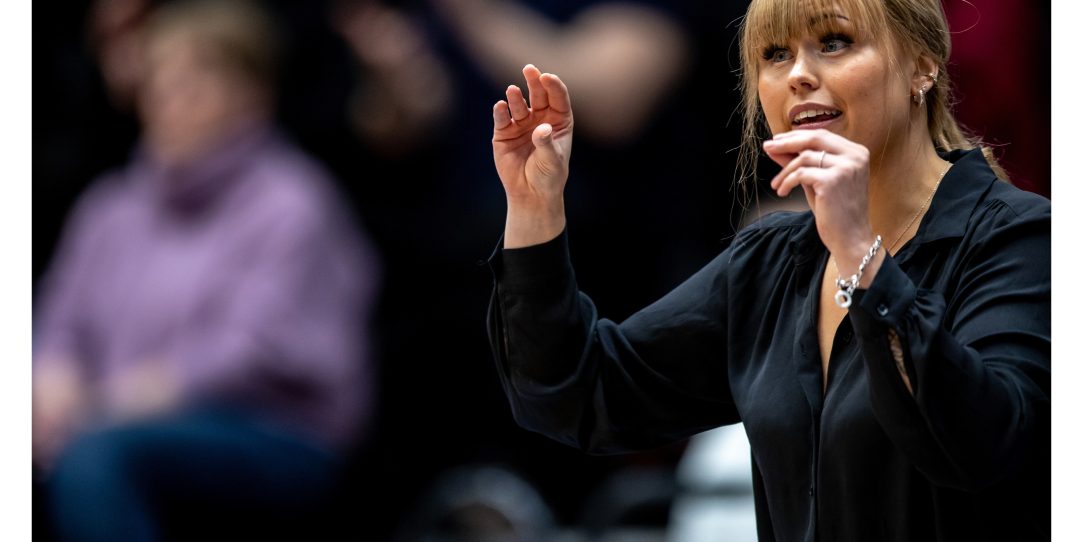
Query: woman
{"points": [[888, 352]]}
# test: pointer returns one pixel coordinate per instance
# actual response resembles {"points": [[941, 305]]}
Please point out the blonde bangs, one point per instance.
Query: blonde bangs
{"points": [[775, 22]]}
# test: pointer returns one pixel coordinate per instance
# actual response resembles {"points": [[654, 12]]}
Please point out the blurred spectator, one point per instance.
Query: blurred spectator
{"points": [[200, 338]]}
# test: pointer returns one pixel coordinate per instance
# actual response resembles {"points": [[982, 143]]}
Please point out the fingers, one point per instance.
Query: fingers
{"points": [[819, 135], [778, 156], [517, 103], [559, 99], [539, 98], [501, 115], [786, 146], [816, 151], [802, 176], [806, 158], [547, 92]]}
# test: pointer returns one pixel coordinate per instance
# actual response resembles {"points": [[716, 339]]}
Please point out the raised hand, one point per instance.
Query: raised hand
{"points": [[532, 143]]}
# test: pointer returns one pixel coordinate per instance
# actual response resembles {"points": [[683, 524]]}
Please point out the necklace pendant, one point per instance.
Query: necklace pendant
{"points": [[843, 299]]}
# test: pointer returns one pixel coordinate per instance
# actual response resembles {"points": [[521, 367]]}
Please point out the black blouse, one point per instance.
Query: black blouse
{"points": [[966, 457]]}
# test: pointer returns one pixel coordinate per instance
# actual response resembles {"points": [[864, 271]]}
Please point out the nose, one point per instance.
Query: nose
{"points": [[803, 73]]}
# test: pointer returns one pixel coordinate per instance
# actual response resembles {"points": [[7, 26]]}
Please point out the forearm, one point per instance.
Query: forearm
{"points": [[533, 221], [538, 331], [502, 36], [251, 361]]}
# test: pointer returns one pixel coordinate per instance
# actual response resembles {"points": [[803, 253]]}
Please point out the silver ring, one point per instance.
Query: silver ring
{"points": [[822, 154]]}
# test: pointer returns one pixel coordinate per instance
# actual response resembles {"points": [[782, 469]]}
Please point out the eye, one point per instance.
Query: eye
{"points": [[776, 54], [835, 42]]}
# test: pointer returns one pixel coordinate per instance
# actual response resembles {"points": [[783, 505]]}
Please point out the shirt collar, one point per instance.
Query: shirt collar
{"points": [[963, 187], [195, 183]]}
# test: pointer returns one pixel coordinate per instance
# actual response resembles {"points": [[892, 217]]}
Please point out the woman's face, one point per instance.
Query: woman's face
{"points": [[189, 101], [834, 78]]}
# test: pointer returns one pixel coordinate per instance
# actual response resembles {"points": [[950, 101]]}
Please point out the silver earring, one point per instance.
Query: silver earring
{"points": [[920, 97]]}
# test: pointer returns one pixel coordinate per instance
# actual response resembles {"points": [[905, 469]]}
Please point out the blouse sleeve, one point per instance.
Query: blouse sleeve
{"points": [[602, 387], [978, 361], [61, 323]]}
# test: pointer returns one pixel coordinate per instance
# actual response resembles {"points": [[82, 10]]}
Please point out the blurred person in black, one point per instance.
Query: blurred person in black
{"points": [[200, 353]]}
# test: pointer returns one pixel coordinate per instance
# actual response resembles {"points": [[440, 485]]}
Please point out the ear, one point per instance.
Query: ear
{"points": [[925, 74]]}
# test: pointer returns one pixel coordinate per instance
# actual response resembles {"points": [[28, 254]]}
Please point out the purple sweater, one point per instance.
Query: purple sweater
{"points": [[243, 270]]}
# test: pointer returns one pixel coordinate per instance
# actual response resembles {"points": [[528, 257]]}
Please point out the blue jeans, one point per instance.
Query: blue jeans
{"points": [[198, 475]]}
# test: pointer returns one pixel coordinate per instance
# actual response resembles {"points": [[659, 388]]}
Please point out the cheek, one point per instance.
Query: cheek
{"points": [[863, 85], [871, 97], [217, 101], [772, 102]]}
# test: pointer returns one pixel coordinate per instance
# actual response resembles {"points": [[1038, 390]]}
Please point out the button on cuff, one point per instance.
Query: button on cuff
{"points": [[889, 296]]}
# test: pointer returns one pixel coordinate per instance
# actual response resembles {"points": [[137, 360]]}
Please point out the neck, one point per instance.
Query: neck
{"points": [[178, 149], [901, 183]]}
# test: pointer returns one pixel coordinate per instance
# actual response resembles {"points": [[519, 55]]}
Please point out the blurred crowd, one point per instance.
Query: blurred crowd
{"points": [[259, 237]]}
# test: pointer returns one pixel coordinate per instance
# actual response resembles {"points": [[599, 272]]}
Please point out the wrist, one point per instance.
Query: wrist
{"points": [[865, 272], [532, 222], [848, 257], [872, 268]]}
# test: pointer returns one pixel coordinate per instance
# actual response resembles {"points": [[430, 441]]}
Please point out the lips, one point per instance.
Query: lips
{"points": [[815, 115], [811, 115]]}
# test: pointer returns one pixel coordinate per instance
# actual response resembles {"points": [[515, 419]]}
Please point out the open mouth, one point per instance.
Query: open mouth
{"points": [[812, 116]]}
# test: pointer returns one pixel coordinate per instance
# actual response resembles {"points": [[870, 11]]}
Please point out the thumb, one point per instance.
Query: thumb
{"points": [[545, 146]]}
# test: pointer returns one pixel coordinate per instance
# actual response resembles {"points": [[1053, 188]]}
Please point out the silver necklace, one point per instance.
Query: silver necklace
{"points": [[914, 218], [891, 249]]}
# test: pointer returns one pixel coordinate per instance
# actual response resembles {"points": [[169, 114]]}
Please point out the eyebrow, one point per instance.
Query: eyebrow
{"points": [[818, 18]]}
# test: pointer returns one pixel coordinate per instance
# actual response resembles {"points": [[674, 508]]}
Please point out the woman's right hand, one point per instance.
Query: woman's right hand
{"points": [[59, 404], [531, 147]]}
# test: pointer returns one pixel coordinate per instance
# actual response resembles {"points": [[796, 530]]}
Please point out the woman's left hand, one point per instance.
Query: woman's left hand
{"points": [[834, 173]]}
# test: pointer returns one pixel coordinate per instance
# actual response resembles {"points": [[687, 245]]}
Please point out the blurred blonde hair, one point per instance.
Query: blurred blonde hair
{"points": [[912, 27], [238, 33]]}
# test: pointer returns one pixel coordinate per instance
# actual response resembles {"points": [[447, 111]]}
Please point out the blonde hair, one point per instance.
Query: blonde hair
{"points": [[240, 35], [919, 27]]}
